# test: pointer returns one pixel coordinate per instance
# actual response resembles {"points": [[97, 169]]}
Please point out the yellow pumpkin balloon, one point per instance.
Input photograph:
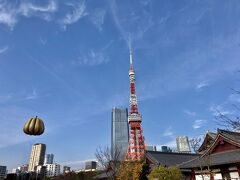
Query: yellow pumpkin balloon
{"points": [[34, 126]]}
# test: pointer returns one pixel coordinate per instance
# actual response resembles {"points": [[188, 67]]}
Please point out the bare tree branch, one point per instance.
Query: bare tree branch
{"points": [[195, 143], [109, 160]]}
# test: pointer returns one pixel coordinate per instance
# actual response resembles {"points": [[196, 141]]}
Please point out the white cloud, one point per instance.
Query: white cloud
{"points": [[215, 109], [234, 98], [10, 12], [97, 18], [28, 9], [79, 11], [168, 132], [198, 123], [3, 49], [189, 113], [201, 85], [92, 59]]}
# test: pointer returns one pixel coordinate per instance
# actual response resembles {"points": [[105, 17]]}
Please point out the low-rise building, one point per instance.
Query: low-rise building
{"points": [[24, 168], [15, 170], [66, 169], [90, 165]]}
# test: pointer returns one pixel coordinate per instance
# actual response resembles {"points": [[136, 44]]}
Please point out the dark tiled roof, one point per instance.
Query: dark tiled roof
{"points": [[168, 158], [208, 140], [214, 159], [234, 136]]}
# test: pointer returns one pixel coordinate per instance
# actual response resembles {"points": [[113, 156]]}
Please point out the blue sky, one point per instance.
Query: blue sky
{"points": [[68, 61]]}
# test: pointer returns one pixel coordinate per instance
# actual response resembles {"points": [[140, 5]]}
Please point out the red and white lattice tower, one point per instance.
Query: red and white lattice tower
{"points": [[136, 145]]}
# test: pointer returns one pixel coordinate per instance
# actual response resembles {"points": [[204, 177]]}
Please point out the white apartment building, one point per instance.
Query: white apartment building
{"points": [[52, 170]]}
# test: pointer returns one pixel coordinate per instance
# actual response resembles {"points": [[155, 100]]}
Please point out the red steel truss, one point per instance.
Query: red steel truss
{"points": [[136, 145]]}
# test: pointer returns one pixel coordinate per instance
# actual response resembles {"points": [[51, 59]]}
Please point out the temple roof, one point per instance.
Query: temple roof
{"points": [[217, 149], [213, 159], [210, 138], [234, 136], [169, 158]]}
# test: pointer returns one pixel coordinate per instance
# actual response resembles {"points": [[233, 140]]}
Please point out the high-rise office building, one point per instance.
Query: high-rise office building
{"points": [[166, 149], [48, 159], [183, 144], [120, 131], [37, 156], [3, 172]]}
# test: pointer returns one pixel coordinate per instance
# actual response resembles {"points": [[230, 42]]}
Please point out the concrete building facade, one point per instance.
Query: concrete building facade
{"points": [[37, 156], [183, 144], [52, 170]]}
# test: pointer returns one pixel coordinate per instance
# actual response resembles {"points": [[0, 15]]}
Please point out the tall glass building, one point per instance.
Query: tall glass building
{"points": [[120, 131], [48, 159]]}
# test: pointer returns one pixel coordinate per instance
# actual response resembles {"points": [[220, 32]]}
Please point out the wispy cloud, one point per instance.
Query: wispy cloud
{"points": [[10, 12], [97, 17], [201, 85], [43, 41], [3, 49], [189, 113], [132, 24], [123, 33], [234, 98], [199, 123], [78, 12], [222, 108], [32, 96], [28, 9], [168, 132], [92, 58], [193, 66]]}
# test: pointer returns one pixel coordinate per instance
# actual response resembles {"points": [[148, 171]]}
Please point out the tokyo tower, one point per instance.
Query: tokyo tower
{"points": [[136, 145]]}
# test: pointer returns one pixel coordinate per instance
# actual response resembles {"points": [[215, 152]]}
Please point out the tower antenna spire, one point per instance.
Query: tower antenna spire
{"points": [[131, 62]]}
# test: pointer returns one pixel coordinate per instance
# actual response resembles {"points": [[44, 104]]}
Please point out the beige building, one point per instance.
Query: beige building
{"points": [[37, 156]]}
